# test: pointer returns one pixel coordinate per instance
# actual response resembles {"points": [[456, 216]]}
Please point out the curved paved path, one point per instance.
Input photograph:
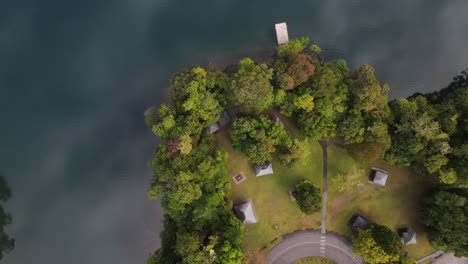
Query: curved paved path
{"points": [[307, 243]]}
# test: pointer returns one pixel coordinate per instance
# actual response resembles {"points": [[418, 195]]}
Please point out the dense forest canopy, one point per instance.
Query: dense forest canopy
{"points": [[327, 100]]}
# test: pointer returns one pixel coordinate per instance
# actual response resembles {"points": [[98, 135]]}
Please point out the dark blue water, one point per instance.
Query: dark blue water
{"points": [[76, 76]]}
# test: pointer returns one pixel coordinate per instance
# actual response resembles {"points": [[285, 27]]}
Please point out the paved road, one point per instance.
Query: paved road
{"points": [[449, 258], [306, 243], [440, 257]]}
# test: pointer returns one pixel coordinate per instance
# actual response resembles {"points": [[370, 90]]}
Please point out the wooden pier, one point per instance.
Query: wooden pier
{"points": [[282, 33]]}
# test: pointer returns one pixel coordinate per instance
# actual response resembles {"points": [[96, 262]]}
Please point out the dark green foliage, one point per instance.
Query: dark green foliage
{"points": [[325, 99], [257, 138], [329, 90], [292, 153], [196, 106], [218, 82], [368, 115], [199, 224], [445, 216], [429, 135], [308, 197], [250, 87], [316, 126], [6, 243]]}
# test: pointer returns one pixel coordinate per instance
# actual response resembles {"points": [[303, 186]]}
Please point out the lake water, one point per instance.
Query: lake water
{"points": [[76, 76]]}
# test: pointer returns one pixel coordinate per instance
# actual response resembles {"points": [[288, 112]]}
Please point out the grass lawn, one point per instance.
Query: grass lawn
{"points": [[277, 214], [395, 205], [313, 260]]}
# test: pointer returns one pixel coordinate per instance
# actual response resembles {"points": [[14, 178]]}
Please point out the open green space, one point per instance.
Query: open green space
{"points": [[396, 205], [277, 214], [313, 260]]}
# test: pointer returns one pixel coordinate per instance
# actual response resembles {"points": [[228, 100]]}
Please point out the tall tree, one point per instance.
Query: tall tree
{"points": [[329, 90], [196, 106], [445, 216], [250, 87], [293, 46], [257, 138], [367, 119], [377, 244], [308, 197]]}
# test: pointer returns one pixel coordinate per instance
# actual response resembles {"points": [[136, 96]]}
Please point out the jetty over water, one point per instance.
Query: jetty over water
{"points": [[282, 33]]}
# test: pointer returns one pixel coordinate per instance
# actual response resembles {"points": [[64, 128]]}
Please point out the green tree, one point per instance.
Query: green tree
{"points": [[308, 197], [445, 216], [250, 87], [460, 162], [293, 46], [417, 137], [185, 145], [304, 102], [368, 114], [190, 249], [377, 244], [196, 106], [315, 49], [291, 154], [257, 138], [448, 176], [229, 254], [328, 88], [368, 95]]}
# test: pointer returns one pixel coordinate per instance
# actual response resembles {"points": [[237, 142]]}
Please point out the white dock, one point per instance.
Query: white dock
{"points": [[282, 33]]}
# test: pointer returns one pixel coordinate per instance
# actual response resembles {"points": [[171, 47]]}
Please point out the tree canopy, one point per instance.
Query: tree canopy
{"points": [[326, 100], [308, 197], [378, 244], [250, 87], [257, 138], [445, 216]]}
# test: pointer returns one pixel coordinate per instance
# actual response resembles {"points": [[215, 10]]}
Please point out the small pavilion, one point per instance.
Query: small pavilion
{"points": [[408, 236], [245, 212], [264, 169], [226, 118], [358, 222], [378, 176]]}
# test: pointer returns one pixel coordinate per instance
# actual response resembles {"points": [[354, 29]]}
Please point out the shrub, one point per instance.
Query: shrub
{"points": [[308, 197]]}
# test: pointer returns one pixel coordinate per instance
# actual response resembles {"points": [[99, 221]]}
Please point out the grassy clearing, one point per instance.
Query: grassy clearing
{"points": [[277, 214], [396, 205], [314, 260]]}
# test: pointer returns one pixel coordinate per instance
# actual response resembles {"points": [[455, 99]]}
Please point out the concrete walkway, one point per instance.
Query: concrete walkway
{"points": [[323, 226], [307, 243]]}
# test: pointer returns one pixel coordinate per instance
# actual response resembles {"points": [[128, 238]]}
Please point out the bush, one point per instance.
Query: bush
{"points": [[308, 197]]}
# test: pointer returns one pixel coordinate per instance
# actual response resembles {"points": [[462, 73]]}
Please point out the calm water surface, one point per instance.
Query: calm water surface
{"points": [[76, 76]]}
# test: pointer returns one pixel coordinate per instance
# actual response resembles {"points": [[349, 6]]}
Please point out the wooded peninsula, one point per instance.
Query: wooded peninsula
{"points": [[221, 124]]}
